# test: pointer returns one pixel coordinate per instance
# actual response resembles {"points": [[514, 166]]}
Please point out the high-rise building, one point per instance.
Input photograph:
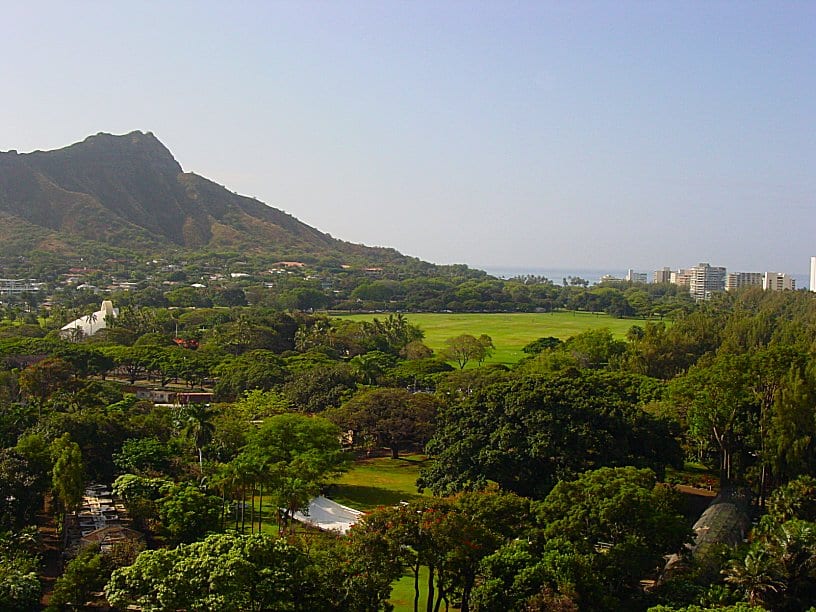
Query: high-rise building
{"points": [[682, 277], [705, 280], [737, 280], [635, 277], [812, 274], [778, 281], [662, 276]]}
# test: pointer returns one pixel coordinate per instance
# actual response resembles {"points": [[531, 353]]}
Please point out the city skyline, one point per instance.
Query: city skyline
{"points": [[588, 135]]}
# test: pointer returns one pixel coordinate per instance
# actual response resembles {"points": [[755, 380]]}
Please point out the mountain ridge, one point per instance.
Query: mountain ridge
{"points": [[128, 191]]}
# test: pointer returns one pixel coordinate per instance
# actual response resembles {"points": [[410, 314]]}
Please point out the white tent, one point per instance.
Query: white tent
{"points": [[325, 514]]}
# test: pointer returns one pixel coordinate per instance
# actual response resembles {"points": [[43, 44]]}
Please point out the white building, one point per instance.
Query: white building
{"points": [[705, 280], [635, 277], [662, 276], [92, 323], [778, 281], [812, 274], [16, 286]]}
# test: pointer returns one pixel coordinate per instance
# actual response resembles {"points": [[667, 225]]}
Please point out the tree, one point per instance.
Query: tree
{"points": [[542, 344], [19, 581], [450, 537], [296, 453], [258, 369], [624, 510], [392, 418], [529, 433], [22, 487], [43, 379], [318, 388], [595, 348], [720, 409], [757, 575], [464, 348], [523, 575], [188, 513], [794, 500], [372, 365], [68, 474], [257, 404], [416, 349], [197, 426], [792, 426], [225, 572], [132, 361], [85, 574], [141, 496], [139, 455]]}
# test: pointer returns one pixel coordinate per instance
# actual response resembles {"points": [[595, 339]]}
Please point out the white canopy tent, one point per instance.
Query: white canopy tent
{"points": [[325, 514]]}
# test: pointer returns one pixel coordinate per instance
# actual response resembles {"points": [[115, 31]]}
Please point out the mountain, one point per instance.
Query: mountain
{"points": [[128, 192]]}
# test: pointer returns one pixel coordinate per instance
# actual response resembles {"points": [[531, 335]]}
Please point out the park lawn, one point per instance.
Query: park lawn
{"points": [[373, 482], [402, 594], [378, 481], [510, 331], [382, 481]]}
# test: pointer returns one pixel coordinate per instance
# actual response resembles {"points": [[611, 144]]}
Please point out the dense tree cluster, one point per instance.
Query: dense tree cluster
{"points": [[546, 481]]}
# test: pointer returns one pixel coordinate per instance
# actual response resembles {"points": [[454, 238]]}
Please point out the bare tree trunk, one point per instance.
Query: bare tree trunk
{"points": [[440, 596], [416, 586], [243, 508], [260, 507], [252, 511]]}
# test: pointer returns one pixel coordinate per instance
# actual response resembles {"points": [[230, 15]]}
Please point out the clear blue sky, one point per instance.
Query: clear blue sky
{"points": [[538, 134]]}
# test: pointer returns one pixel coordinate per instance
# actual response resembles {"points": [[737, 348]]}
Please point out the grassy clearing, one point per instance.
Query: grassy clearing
{"points": [[382, 481], [379, 481], [510, 331], [402, 595]]}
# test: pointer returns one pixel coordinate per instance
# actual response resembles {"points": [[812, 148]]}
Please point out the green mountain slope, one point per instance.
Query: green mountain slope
{"points": [[129, 192]]}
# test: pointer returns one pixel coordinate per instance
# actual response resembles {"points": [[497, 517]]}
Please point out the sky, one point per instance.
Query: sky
{"points": [[498, 134]]}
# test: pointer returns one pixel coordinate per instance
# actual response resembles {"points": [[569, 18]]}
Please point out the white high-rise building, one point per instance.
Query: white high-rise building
{"points": [[635, 277], [705, 280], [662, 276], [812, 274]]}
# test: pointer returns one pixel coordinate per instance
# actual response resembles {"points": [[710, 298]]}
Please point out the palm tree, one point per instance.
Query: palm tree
{"points": [[757, 575], [197, 426], [793, 543]]}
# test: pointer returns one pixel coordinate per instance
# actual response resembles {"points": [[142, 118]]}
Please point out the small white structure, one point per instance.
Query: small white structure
{"points": [[325, 514], [92, 323], [812, 274]]}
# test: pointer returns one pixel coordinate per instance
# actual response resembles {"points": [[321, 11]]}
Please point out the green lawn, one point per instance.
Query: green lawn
{"points": [[402, 595], [380, 481], [511, 331]]}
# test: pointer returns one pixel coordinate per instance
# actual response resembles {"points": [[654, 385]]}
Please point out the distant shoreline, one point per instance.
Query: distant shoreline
{"points": [[557, 275]]}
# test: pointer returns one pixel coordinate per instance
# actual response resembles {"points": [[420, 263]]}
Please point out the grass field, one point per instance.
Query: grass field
{"points": [[380, 481], [510, 332]]}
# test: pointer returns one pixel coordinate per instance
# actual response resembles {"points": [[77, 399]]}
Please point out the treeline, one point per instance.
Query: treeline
{"points": [[405, 285]]}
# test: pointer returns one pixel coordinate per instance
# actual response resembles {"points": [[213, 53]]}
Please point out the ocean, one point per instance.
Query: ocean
{"points": [[557, 275]]}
